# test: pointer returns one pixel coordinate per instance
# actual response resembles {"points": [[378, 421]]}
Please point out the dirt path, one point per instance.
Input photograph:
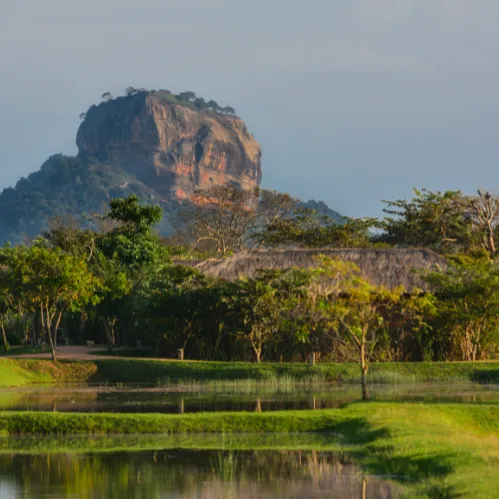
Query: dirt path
{"points": [[68, 353]]}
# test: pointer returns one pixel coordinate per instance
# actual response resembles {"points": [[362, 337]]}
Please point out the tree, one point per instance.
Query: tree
{"points": [[485, 209], [199, 102], [230, 218], [132, 241], [67, 234], [188, 96], [221, 215], [414, 333], [257, 303], [467, 305], [50, 282], [133, 215], [128, 256], [309, 229], [229, 110], [446, 222], [355, 308], [434, 220], [213, 105], [107, 96]]}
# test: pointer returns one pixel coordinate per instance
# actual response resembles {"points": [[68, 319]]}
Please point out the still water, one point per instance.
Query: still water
{"points": [[180, 473], [181, 400], [198, 466]]}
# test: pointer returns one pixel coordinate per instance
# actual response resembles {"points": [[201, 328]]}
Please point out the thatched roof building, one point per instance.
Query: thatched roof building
{"points": [[387, 267]]}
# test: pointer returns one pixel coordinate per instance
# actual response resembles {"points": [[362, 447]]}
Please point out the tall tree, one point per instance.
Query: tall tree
{"points": [[129, 255], [132, 240], [355, 308], [51, 282]]}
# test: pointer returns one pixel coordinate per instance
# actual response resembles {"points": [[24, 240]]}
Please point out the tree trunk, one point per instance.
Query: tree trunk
{"points": [[52, 347], [311, 359], [258, 407], [47, 325], [491, 242], [37, 328], [258, 354], [55, 329], [107, 334], [364, 367], [6, 345]]}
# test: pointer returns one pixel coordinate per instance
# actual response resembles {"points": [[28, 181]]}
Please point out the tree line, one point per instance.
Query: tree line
{"points": [[186, 98], [119, 282]]}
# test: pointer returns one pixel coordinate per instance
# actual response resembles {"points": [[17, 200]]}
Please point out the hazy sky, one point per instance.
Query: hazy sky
{"points": [[353, 101]]}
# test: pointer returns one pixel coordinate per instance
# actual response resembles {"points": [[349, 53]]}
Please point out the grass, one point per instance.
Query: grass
{"points": [[18, 350], [18, 372], [436, 450], [234, 422], [56, 444], [22, 372]]}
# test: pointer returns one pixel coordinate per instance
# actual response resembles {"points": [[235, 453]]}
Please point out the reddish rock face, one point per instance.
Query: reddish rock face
{"points": [[171, 148]]}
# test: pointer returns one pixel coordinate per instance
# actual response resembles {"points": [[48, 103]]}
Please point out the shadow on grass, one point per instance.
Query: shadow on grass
{"points": [[358, 431], [443, 492], [486, 376], [416, 470]]}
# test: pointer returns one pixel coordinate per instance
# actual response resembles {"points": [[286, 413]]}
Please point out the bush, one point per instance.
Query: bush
{"points": [[13, 340]]}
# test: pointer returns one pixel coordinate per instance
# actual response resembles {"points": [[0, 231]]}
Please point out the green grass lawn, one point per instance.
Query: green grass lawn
{"points": [[23, 372], [435, 450], [17, 372]]}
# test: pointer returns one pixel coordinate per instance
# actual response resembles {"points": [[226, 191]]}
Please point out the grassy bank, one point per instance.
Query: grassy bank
{"points": [[22, 372], [19, 372], [236, 422], [435, 450], [352, 420]]}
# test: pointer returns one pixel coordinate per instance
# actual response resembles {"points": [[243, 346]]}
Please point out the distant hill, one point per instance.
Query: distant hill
{"points": [[323, 209], [157, 145], [64, 185]]}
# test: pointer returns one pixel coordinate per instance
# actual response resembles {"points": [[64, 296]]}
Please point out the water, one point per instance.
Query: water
{"points": [[199, 466], [188, 473], [178, 400]]}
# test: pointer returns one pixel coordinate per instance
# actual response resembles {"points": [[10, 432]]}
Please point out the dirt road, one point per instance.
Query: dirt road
{"points": [[69, 353]]}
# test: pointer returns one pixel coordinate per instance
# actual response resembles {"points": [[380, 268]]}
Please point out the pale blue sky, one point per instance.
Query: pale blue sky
{"points": [[353, 101]]}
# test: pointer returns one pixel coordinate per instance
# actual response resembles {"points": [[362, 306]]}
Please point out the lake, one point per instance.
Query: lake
{"points": [[178, 399]]}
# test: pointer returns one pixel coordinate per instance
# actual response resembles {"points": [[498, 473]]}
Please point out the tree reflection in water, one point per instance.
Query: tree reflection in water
{"points": [[188, 474]]}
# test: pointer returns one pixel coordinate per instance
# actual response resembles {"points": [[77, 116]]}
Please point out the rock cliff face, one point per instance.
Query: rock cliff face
{"points": [[169, 147]]}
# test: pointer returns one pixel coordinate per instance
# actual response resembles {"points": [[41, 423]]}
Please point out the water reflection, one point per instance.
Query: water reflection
{"points": [[174, 400], [181, 473]]}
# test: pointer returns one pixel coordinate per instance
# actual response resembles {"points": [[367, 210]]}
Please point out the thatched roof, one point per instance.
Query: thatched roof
{"points": [[387, 267]]}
